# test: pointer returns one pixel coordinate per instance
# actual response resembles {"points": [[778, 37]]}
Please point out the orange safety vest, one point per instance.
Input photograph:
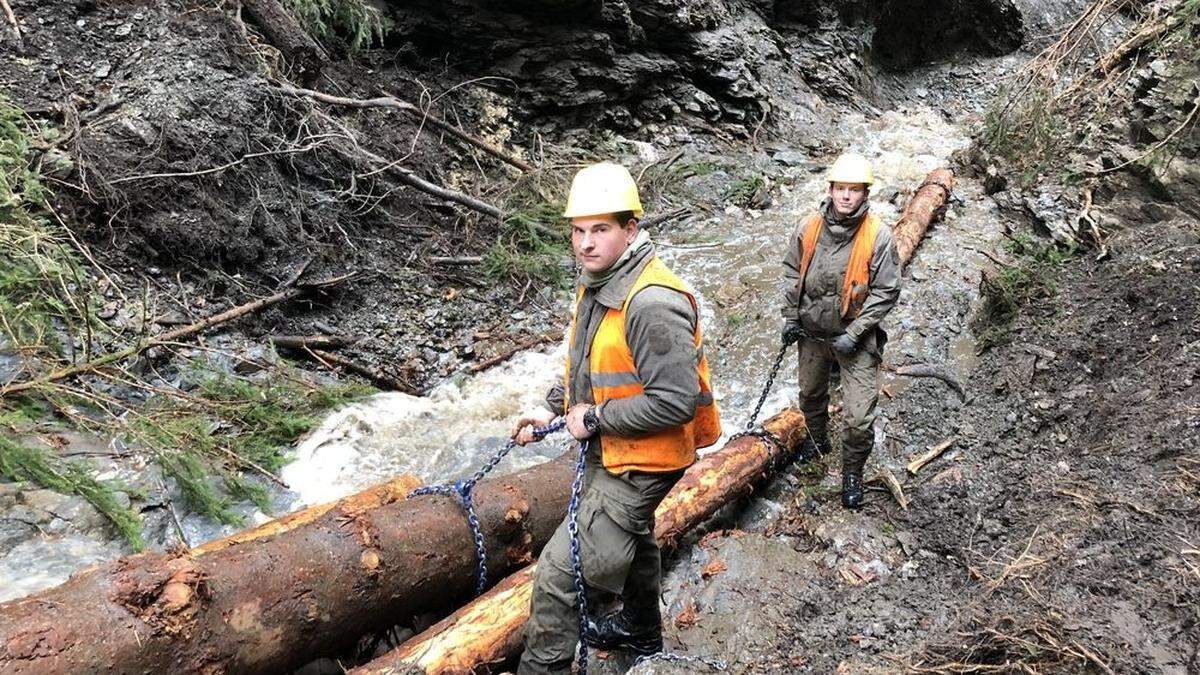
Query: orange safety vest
{"points": [[856, 284], [614, 375]]}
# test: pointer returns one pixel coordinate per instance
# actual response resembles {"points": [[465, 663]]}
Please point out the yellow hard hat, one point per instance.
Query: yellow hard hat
{"points": [[851, 168], [602, 188]]}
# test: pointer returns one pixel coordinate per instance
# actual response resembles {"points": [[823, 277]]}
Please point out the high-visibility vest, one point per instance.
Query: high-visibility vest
{"points": [[614, 375], [856, 284]]}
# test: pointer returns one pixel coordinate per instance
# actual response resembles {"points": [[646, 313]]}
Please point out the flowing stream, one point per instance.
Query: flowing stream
{"points": [[735, 270], [731, 258]]}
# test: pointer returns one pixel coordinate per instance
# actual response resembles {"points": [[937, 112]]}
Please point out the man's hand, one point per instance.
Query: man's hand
{"points": [[575, 423], [791, 334], [844, 345], [523, 429]]}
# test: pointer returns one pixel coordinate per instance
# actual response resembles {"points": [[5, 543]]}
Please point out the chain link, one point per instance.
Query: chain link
{"points": [[576, 558], [463, 490], [767, 389]]}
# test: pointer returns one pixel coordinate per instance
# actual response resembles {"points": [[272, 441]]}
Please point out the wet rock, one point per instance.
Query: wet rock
{"points": [[791, 158]]}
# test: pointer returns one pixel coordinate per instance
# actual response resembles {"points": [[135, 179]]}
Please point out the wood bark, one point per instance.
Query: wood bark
{"points": [[490, 629], [925, 206], [286, 34], [271, 600]]}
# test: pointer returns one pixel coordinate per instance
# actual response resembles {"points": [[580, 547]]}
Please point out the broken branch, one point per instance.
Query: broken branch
{"points": [[551, 336], [376, 376], [929, 455], [170, 336], [301, 342], [936, 372], [397, 104]]}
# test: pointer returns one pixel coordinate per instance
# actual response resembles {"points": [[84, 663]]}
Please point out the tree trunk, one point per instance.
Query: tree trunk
{"points": [[490, 629], [925, 206], [273, 599], [287, 35]]}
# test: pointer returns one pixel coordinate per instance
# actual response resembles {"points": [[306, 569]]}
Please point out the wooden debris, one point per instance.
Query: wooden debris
{"points": [[929, 455], [286, 34], [936, 372], [170, 336], [925, 207], [889, 480], [713, 568], [544, 338], [302, 342], [425, 115]]}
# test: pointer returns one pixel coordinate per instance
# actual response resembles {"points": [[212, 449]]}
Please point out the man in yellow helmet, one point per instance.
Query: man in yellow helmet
{"points": [[636, 389], [841, 277]]}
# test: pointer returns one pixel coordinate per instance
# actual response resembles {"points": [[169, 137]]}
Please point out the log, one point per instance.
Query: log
{"points": [[490, 629], [922, 209], [287, 35], [271, 601]]}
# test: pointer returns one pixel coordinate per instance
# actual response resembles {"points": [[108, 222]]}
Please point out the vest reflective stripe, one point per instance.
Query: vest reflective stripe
{"points": [[614, 376], [856, 282]]}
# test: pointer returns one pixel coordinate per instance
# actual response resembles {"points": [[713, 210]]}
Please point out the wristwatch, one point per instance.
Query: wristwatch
{"points": [[591, 420]]}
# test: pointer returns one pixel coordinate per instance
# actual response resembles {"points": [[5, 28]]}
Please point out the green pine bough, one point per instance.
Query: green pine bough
{"points": [[20, 462]]}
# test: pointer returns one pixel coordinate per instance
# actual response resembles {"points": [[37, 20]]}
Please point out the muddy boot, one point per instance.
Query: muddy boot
{"points": [[852, 489], [619, 630], [815, 445]]}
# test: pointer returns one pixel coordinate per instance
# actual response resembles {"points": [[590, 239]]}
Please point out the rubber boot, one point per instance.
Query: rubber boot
{"points": [[618, 630], [815, 445], [852, 489]]}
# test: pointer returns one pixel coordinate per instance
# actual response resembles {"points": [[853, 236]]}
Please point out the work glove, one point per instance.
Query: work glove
{"points": [[791, 334], [844, 345]]}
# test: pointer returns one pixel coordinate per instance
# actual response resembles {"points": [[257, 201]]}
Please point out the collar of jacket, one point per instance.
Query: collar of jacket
{"points": [[612, 294], [842, 227]]}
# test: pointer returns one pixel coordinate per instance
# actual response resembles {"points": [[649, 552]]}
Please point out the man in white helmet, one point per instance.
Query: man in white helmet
{"points": [[841, 277], [636, 389]]}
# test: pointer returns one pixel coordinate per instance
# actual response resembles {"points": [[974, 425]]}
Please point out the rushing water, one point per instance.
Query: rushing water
{"points": [[732, 259], [735, 272]]}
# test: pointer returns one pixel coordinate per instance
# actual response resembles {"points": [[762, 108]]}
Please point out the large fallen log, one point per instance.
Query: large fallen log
{"points": [[275, 598], [925, 206], [490, 629]]}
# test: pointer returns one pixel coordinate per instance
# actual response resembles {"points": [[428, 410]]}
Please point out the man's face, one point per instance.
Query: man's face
{"points": [[847, 197], [599, 240]]}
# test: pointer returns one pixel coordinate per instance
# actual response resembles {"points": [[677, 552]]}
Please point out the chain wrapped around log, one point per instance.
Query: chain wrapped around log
{"points": [[491, 628], [273, 599]]}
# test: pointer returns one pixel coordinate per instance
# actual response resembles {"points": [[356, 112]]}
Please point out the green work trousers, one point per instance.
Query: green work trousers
{"points": [[860, 395], [619, 555]]}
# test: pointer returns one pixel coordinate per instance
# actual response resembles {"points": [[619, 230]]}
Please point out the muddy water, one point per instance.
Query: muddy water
{"points": [[733, 261]]}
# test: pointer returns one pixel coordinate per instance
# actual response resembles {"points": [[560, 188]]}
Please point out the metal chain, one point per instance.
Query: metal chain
{"points": [[576, 559], [767, 389], [715, 664], [463, 490]]}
